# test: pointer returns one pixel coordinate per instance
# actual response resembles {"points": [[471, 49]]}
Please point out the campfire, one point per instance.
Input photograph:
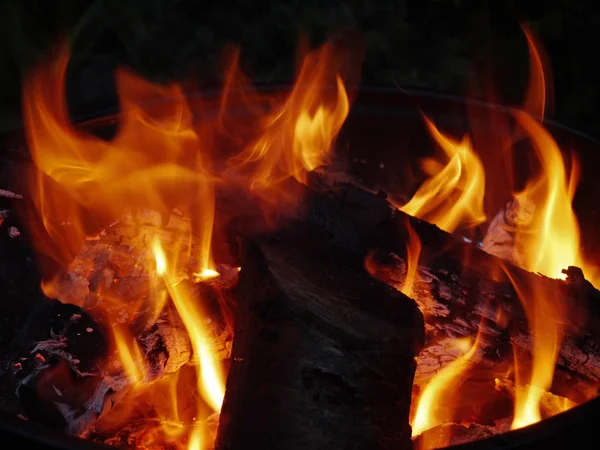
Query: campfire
{"points": [[221, 281]]}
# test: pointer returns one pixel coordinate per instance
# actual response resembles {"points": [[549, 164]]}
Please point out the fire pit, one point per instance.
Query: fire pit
{"points": [[315, 285]]}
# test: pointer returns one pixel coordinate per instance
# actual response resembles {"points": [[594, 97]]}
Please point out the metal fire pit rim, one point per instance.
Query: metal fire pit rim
{"points": [[417, 93], [582, 416], [19, 431]]}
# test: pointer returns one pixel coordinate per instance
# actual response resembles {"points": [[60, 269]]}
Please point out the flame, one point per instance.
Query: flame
{"points": [[196, 441], [537, 98], [555, 245], [162, 159], [413, 251], [544, 315], [307, 122], [156, 161], [210, 380], [438, 392], [463, 175], [129, 354], [550, 244]]}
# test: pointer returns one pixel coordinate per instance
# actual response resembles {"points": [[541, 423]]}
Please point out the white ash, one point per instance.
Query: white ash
{"points": [[501, 237], [9, 194]]}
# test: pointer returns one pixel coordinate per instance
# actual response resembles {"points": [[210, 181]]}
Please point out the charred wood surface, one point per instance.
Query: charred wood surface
{"points": [[323, 354], [65, 373], [460, 288]]}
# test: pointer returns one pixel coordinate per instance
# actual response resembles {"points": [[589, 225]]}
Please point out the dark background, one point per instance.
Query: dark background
{"points": [[442, 45]]}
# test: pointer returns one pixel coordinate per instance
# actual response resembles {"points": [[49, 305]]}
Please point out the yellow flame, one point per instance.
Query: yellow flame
{"points": [[196, 441], [307, 122], [413, 251], [210, 381], [463, 175], [130, 354], [555, 244], [544, 313], [441, 387]]}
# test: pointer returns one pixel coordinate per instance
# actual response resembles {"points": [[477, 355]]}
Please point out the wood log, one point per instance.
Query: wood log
{"points": [[67, 375], [323, 355], [458, 284]]}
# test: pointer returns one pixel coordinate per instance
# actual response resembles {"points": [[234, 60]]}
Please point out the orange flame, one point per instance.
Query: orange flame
{"points": [[555, 244], [161, 160], [544, 315], [537, 98], [437, 394], [463, 175], [156, 161], [129, 354], [413, 251], [307, 123], [550, 244], [210, 380]]}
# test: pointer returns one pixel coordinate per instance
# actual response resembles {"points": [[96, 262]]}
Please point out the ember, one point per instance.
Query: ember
{"points": [[215, 285]]}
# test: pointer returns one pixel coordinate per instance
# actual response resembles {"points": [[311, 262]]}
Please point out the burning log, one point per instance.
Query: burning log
{"points": [[325, 352], [66, 374], [457, 284]]}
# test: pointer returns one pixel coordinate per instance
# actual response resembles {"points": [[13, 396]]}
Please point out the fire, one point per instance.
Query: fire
{"points": [[210, 381], [550, 243], [555, 245], [413, 251], [129, 354], [163, 159], [544, 315], [453, 195], [306, 122], [435, 401]]}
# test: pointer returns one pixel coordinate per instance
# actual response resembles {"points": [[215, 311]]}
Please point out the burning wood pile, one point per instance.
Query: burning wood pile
{"points": [[212, 283]]}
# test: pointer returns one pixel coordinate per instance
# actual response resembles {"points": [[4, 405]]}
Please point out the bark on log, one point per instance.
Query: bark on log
{"points": [[459, 283], [66, 374], [325, 352]]}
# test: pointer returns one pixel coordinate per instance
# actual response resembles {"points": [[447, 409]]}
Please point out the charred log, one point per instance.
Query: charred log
{"points": [[324, 351], [458, 284], [66, 373]]}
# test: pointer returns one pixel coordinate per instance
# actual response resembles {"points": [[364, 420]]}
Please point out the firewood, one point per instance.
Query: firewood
{"points": [[66, 374], [323, 354], [458, 284]]}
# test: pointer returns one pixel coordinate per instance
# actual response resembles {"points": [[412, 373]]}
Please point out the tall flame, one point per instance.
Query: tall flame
{"points": [[306, 122], [210, 380], [156, 160], [544, 316], [555, 244], [413, 251], [550, 244], [453, 195]]}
